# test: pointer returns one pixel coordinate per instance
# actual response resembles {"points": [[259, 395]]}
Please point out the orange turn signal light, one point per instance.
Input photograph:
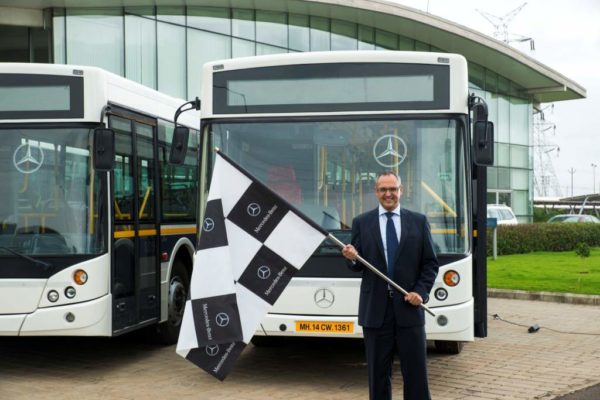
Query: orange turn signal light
{"points": [[451, 278], [80, 277]]}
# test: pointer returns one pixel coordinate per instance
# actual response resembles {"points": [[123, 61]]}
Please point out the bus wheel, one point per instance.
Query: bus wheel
{"points": [[179, 285], [449, 346]]}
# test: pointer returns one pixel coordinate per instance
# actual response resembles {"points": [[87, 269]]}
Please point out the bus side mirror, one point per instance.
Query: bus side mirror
{"points": [[179, 145], [483, 143], [104, 149]]}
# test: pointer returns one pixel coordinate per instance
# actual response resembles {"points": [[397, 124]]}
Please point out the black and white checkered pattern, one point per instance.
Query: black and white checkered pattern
{"points": [[252, 243]]}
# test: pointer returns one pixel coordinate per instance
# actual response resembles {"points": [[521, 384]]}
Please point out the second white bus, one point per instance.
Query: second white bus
{"points": [[317, 128]]}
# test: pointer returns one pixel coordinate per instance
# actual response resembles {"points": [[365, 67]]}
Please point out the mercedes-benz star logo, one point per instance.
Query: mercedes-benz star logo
{"points": [[208, 225], [212, 350], [253, 209], [28, 158], [222, 319], [324, 298], [385, 154], [263, 272]]}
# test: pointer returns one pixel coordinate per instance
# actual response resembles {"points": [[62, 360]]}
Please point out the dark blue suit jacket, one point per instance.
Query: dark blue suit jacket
{"points": [[415, 269]]}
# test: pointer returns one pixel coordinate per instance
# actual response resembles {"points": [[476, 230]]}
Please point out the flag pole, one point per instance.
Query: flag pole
{"points": [[379, 273]]}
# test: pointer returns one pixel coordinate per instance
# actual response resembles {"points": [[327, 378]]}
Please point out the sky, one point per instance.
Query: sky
{"points": [[567, 39]]}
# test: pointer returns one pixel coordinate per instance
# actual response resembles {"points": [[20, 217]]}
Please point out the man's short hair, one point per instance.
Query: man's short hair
{"points": [[386, 173]]}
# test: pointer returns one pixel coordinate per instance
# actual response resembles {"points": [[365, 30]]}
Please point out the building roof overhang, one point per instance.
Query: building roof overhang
{"points": [[540, 83]]}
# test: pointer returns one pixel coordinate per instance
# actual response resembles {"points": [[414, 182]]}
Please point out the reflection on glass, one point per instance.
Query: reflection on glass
{"points": [[212, 19], [242, 24], [171, 60], [174, 15], [51, 202], [271, 28], [299, 32], [201, 48], [319, 34], [386, 40], [140, 50], [242, 48], [343, 35], [328, 169], [95, 37]]}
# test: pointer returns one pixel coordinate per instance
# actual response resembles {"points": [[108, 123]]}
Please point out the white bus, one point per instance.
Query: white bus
{"points": [[317, 128], [87, 251]]}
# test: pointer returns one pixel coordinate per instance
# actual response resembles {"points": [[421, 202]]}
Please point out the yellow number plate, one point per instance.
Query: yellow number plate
{"points": [[325, 326]]}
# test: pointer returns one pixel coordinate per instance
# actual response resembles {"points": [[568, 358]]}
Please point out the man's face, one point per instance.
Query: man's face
{"points": [[388, 191]]}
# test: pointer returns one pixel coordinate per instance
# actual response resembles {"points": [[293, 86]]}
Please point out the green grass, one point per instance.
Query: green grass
{"points": [[547, 271]]}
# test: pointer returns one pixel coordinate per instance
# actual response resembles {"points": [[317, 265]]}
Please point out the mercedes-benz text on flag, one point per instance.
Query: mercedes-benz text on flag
{"points": [[251, 244]]}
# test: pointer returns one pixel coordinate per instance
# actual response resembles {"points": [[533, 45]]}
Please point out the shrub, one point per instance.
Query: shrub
{"points": [[525, 238], [582, 250]]}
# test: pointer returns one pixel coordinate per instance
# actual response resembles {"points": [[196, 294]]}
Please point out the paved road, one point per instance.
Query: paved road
{"points": [[509, 364], [590, 393]]}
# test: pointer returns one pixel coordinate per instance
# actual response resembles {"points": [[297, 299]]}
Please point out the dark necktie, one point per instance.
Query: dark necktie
{"points": [[391, 241]]}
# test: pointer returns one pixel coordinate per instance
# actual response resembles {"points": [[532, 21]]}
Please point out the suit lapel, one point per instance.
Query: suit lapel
{"points": [[404, 229], [374, 227]]}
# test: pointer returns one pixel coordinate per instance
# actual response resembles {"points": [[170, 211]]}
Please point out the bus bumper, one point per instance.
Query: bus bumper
{"points": [[285, 325], [458, 322], [459, 326], [91, 318]]}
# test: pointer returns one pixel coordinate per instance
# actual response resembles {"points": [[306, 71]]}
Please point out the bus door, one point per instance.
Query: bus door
{"points": [[135, 266]]}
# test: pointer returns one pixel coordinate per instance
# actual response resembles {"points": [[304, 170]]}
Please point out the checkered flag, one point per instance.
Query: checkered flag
{"points": [[252, 243]]}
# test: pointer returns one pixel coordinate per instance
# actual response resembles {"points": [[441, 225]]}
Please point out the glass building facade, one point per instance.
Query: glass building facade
{"points": [[165, 47]]}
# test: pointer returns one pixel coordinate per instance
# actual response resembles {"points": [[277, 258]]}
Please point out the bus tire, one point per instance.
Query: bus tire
{"points": [[449, 346], [179, 286]]}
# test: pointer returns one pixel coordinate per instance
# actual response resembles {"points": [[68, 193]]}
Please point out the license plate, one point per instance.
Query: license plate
{"points": [[324, 326]]}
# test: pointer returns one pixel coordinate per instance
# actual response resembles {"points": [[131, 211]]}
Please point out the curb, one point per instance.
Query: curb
{"points": [[569, 298]]}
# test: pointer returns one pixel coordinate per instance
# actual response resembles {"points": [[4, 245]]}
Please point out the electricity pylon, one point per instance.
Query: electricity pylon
{"points": [[501, 27], [544, 176]]}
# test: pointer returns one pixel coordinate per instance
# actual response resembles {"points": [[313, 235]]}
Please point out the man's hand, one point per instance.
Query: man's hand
{"points": [[413, 298], [349, 252]]}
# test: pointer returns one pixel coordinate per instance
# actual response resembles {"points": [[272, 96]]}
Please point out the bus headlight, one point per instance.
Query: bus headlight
{"points": [[441, 294], [451, 278], [80, 277], [70, 292], [53, 296]]}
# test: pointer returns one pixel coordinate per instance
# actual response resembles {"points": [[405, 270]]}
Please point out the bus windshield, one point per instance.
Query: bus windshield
{"points": [[50, 202], [328, 168]]}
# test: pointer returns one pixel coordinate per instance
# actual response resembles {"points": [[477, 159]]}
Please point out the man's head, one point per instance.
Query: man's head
{"points": [[388, 189]]}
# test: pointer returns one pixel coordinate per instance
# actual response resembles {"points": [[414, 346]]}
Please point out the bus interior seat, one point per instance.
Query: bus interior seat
{"points": [[282, 180]]}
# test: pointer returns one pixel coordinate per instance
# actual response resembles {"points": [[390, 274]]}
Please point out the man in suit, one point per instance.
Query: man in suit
{"points": [[398, 242]]}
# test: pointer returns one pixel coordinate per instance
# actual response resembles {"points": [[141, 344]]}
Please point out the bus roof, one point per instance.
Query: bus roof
{"points": [[102, 87], [458, 76]]}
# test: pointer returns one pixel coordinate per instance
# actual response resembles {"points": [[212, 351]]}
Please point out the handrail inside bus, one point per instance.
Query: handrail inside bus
{"points": [[145, 202], [437, 198], [23, 188]]}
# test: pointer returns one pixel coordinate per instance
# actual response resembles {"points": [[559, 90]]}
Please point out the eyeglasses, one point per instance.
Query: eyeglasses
{"points": [[390, 189]]}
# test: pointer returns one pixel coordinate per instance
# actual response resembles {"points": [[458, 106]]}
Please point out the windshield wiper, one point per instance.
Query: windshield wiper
{"points": [[31, 259]]}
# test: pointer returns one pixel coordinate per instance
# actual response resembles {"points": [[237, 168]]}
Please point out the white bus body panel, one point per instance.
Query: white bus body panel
{"points": [[98, 271], [102, 87], [298, 302], [26, 309], [19, 296], [11, 324], [458, 75], [92, 318]]}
